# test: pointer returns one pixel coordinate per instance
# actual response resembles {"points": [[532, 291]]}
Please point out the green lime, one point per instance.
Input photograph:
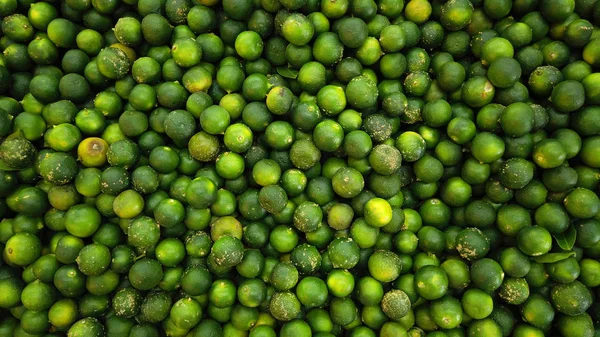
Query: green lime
{"points": [[284, 306], [582, 203], [549, 153], [279, 100], [62, 32], [312, 76], [88, 326], [487, 274], [361, 92], [297, 29], [113, 63], [384, 266], [249, 45], [571, 298], [395, 304], [534, 241], [496, 48], [22, 249]]}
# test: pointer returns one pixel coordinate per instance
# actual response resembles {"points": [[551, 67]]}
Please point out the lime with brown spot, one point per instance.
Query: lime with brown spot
{"points": [[92, 152]]}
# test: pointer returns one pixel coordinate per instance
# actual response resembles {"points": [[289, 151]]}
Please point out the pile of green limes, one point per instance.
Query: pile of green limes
{"points": [[298, 168]]}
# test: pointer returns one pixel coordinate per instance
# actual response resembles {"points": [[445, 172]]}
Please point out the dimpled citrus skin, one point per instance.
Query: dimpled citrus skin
{"points": [[299, 168]]}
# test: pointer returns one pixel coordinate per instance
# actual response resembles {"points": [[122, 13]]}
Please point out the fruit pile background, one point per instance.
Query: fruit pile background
{"points": [[297, 168]]}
